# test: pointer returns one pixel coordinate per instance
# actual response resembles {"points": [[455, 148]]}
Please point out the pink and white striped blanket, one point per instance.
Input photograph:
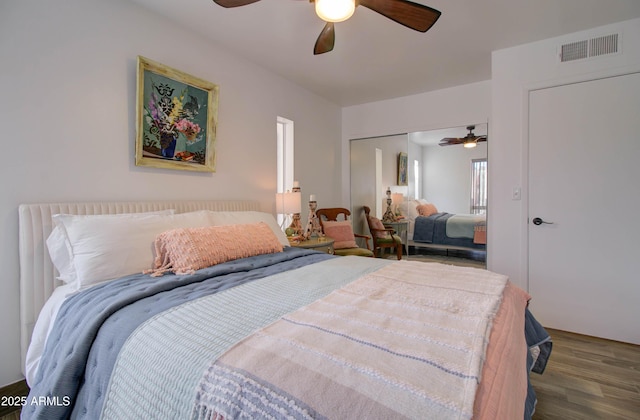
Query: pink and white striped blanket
{"points": [[408, 340]]}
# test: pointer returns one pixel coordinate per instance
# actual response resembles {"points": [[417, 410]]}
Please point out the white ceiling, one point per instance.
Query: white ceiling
{"points": [[375, 58]]}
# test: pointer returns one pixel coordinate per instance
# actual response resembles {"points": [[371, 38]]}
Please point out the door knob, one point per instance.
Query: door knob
{"points": [[538, 221]]}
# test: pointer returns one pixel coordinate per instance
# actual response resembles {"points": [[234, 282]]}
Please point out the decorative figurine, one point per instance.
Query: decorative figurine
{"points": [[313, 225]]}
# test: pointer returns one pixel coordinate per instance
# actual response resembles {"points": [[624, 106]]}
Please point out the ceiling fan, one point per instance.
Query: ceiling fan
{"points": [[412, 15], [468, 141]]}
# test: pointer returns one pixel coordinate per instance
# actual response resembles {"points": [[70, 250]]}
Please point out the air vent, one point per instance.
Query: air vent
{"points": [[603, 45], [574, 51], [593, 47]]}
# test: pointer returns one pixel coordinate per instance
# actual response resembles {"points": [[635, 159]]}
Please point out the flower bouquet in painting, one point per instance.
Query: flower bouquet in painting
{"points": [[172, 130]]}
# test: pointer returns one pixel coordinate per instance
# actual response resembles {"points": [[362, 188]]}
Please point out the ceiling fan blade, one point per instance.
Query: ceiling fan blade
{"points": [[449, 141], [234, 3], [412, 15], [326, 39]]}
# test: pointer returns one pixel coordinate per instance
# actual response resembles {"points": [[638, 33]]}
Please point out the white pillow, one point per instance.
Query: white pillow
{"points": [[222, 218], [59, 248], [106, 247], [411, 208], [60, 255]]}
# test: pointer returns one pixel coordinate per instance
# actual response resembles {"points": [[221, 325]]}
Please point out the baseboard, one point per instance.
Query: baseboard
{"points": [[10, 396]]}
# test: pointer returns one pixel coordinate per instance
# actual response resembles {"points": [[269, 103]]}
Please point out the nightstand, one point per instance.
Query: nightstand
{"points": [[322, 244]]}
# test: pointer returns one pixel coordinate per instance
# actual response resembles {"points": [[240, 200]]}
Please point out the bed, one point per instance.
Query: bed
{"points": [[457, 230], [429, 227], [278, 332]]}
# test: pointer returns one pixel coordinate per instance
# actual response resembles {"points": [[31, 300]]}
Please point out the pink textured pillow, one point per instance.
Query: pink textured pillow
{"points": [[341, 232], [186, 250], [377, 224], [426, 209]]}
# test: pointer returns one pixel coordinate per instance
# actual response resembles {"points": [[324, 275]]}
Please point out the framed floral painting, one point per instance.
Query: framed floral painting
{"points": [[176, 116]]}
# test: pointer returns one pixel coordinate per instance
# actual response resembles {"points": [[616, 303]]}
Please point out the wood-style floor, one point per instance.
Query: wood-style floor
{"points": [[586, 378]]}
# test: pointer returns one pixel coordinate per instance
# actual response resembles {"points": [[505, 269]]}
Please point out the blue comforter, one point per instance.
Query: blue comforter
{"points": [[536, 335], [92, 326], [433, 230]]}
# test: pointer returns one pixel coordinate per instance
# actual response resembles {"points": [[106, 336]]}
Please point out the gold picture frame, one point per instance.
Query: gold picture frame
{"points": [[176, 119]]}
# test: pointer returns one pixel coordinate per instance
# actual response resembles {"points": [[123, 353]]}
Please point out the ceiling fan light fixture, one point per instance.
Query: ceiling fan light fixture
{"points": [[335, 10], [470, 144]]}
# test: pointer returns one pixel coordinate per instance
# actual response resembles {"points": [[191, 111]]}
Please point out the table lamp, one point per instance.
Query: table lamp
{"points": [[289, 204], [388, 216]]}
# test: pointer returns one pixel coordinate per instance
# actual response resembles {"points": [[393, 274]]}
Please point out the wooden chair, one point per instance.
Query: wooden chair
{"points": [[383, 237], [333, 214]]}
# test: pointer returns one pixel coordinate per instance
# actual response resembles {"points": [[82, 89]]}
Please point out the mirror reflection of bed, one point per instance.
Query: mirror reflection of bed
{"points": [[447, 184]]}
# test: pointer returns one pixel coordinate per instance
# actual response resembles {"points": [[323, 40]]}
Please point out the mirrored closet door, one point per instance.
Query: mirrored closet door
{"points": [[418, 169]]}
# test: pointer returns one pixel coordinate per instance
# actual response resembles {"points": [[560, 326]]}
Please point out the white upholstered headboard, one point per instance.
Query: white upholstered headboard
{"points": [[37, 274]]}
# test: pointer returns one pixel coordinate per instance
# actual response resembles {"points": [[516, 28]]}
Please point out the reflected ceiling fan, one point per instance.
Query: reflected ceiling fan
{"points": [[470, 140], [412, 15]]}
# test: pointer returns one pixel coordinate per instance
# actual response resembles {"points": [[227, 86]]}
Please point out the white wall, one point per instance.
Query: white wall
{"points": [[67, 78], [447, 176], [516, 71]]}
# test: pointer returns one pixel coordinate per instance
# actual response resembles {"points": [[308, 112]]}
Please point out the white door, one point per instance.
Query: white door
{"points": [[584, 178]]}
